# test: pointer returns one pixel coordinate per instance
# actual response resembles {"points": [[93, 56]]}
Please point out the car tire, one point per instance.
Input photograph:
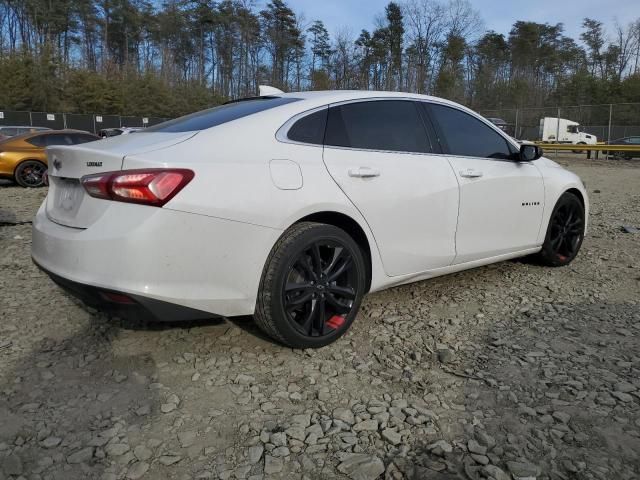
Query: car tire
{"points": [[622, 156], [311, 287], [30, 174], [565, 232], [579, 151]]}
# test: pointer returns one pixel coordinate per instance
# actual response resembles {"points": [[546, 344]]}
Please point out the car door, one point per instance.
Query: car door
{"points": [[381, 156], [501, 199]]}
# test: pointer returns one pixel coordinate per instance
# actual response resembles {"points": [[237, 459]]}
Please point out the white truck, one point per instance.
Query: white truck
{"points": [[561, 130]]}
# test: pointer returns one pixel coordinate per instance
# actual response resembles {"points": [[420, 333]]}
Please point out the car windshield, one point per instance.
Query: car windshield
{"points": [[219, 115]]}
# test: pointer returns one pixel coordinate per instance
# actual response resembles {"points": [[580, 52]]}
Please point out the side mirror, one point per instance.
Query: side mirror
{"points": [[529, 153]]}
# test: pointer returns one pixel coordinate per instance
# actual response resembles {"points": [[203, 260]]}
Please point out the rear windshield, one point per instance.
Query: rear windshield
{"points": [[219, 115]]}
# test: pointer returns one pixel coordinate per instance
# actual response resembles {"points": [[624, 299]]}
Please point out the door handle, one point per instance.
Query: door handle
{"points": [[470, 173], [364, 172]]}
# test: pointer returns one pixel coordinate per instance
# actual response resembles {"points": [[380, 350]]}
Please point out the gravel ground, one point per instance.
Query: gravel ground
{"points": [[508, 371]]}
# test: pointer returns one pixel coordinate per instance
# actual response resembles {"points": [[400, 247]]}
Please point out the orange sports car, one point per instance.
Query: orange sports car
{"points": [[23, 158]]}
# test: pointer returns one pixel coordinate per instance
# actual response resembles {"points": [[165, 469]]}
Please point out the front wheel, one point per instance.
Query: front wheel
{"points": [[30, 174], [312, 286], [579, 151], [564, 233]]}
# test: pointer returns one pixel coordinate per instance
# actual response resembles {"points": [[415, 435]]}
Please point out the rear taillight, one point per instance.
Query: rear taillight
{"points": [[148, 187]]}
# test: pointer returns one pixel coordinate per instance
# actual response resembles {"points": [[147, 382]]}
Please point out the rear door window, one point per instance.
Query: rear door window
{"points": [[219, 115], [59, 139], [37, 141], [77, 138], [389, 125]]}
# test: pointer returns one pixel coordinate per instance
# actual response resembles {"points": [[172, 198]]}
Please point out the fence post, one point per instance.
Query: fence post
{"points": [[610, 115], [30, 119], [558, 129], [64, 120], [515, 132]]}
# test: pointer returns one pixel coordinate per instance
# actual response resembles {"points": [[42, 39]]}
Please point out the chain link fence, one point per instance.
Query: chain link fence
{"points": [[607, 122], [78, 121]]}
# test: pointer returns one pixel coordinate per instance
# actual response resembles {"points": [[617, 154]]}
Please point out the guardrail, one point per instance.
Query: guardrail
{"points": [[588, 148]]}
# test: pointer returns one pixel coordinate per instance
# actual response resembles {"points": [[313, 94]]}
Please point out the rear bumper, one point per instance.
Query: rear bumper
{"points": [[129, 306], [160, 255]]}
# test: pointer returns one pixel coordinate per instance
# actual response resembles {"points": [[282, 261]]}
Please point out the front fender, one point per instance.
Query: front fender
{"points": [[557, 181]]}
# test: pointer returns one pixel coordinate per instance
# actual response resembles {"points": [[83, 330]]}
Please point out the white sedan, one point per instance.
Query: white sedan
{"points": [[291, 207]]}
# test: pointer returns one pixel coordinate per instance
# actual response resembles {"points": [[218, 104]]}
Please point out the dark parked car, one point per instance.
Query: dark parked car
{"points": [[502, 125], [112, 132], [630, 141]]}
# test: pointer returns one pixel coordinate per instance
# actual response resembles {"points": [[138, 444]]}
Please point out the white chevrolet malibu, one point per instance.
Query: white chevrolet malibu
{"points": [[291, 207]]}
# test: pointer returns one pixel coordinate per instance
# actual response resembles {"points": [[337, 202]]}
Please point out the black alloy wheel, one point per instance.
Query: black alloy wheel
{"points": [[30, 174], [318, 292], [565, 232], [312, 286]]}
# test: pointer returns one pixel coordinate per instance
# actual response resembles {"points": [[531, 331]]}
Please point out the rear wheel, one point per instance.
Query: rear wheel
{"points": [[622, 156], [30, 174], [564, 233], [311, 287]]}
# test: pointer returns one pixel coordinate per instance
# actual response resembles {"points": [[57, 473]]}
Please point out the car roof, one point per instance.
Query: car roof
{"points": [[13, 126], [331, 96], [24, 126], [318, 98], [38, 133], [66, 130]]}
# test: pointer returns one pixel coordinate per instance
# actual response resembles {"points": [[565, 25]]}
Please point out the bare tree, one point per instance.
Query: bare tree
{"points": [[343, 55], [425, 27], [463, 20], [626, 41]]}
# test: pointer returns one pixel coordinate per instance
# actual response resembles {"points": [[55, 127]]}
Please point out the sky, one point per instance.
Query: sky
{"points": [[497, 15]]}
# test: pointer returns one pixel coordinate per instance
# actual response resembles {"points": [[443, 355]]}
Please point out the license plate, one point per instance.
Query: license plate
{"points": [[68, 193]]}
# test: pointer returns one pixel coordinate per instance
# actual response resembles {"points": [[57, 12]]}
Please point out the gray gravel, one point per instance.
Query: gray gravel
{"points": [[512, 371]]}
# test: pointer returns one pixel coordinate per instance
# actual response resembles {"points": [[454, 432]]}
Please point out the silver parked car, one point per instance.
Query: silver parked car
{"points": [[13, 130]]}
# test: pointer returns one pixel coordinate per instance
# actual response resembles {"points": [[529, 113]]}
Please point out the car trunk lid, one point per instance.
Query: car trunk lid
{"points": [[68, 203]]}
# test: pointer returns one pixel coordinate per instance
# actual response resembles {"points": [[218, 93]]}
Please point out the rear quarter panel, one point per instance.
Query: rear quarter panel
{"points": [[233, 179]]}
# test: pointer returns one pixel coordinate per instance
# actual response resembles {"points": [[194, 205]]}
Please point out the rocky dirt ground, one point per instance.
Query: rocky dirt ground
{"points": [[509, 371]]}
